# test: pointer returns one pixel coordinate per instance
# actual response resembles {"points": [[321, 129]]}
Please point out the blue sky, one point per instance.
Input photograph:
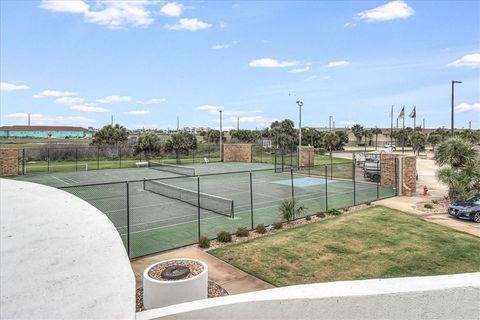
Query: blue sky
{"points": [[78, 62]]}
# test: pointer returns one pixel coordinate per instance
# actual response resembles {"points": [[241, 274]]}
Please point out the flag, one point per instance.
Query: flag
{"points": [[413, 114], [402, 113]]}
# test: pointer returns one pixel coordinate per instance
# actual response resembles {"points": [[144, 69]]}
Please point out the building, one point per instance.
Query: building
{"points": [[45, 132]]}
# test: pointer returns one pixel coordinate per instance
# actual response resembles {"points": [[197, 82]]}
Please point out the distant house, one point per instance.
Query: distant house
{"points": [[45, 132]]}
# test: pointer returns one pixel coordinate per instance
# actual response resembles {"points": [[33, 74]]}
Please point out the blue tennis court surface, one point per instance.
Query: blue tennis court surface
{"points": [[304, 182]]}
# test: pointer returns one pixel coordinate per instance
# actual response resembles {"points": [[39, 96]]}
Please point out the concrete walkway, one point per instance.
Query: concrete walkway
{"points": [[230, 278]]}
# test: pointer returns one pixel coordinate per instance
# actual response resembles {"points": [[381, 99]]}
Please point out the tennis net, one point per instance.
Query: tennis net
{"points": [[184, 171], [216, 204]]}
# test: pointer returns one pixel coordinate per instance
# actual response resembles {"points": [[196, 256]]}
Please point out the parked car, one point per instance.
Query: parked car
{"points": [[469, 209], [390, 146], [371, 168]]}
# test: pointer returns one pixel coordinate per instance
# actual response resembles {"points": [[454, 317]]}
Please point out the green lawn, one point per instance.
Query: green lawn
{"points": [[20, 143], [373, 243]]}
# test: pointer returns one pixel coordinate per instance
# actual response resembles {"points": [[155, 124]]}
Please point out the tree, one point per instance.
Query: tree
{"points": [[245, 135], [460, 162], [330, 140], [471, 135], [283, 133], [376, 131], [181, 142], [357, 132], [149, 143], [434, 139], [342, 139], [368, 135], [110, 135], [418, 141], [214, 136]]}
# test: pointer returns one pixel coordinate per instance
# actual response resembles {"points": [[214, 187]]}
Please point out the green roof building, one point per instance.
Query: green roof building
{"points": [[45, 132]]}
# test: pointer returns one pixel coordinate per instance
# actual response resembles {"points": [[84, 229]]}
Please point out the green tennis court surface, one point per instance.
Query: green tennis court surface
{"points": [[162, 212]]}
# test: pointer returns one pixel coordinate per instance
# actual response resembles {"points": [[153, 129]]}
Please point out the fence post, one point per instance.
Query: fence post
{"points": [[128, 219], [48, 159], [23, 161], [293, 190], [395, 183], [251, 198], [378, 178], [326, 188], [98, 158], [76, 159], [331, 165], [354, 172], [198, 206], [120, 155]]}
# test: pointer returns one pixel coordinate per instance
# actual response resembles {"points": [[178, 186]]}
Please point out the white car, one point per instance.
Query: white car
{"points": [[389, 146]]}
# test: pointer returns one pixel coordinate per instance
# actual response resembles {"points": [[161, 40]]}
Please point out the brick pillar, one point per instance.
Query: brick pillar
{"points": [[241, 152], [8, 162], [409, 174], [387, 167], [306, 156]]}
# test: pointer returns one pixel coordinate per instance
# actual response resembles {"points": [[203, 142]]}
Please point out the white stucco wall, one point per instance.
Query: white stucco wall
{"points": [[60, 257], [438, 297]]}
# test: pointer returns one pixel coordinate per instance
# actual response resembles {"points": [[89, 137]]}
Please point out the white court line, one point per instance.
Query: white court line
{"points": [[68, 184]]}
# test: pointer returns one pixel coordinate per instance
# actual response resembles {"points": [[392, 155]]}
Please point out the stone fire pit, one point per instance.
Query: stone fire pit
{"points": [[174, 281]]}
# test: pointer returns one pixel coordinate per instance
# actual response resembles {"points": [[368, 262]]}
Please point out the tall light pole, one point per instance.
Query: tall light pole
{"points": [[300, 104], [453, 104], [221, 136], [330, 122]]}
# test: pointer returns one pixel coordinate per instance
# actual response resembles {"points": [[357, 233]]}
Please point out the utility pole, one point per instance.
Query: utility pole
{"points": [[423, 124], [29, 119], [111, 120], [470, 125], [221, 136], [391, 125], [330, 122], [238, 123], [333, 124], [178, 123], [453, 105], [300, 104]]}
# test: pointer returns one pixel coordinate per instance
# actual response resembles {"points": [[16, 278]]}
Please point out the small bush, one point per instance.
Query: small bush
{"points": [[334, 212], [224, 236], [428, 206], [242, 232], [435, 201], [260, 229], [277, 225], [204, 242], [368, 203], [320, 215], [308, 218], [289, 209]]}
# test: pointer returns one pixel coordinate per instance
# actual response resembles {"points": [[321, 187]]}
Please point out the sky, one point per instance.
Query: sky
{"points": [[74, 62]]}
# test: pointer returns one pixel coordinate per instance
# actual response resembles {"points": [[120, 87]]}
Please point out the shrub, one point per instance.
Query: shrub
{"points": [[368, 203], [321, 151], [308, 218], [224, 236], [435, 201], [428, 206], [204, 242], [260, 229], [289, 209], [277, 225], [320, 215], [334, 212], [242, 232]]}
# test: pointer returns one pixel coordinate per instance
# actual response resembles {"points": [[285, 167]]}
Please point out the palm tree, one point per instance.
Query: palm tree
{"points": [[290, 209], [357, 132], [330, 141], [418, 141], [457, 153], [149, 143], [368, 134], [434, 139], [376, 131], [181, 142]]}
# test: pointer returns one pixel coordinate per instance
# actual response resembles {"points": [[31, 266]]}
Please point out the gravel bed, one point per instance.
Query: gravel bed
{"points": [[214, 244], [439, 206], [214, 290], [156, 272]]}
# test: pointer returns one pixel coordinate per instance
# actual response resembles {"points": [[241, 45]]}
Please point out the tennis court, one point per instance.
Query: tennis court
{"points": [[163, 207]]}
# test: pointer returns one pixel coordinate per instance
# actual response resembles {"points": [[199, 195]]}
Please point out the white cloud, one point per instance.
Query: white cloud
{"points": [[5, 86], [69, 100], [397, 9], [41, 119], [299, 70], [349, 25], [469, 60], [54, 94], [466, 107], [114, 99], [311, 78], [339, 63], [172, 9], [272, 63], [137, 112], [71, 6], [152, 101], [88, 108], [113, 14], [213, 109], [225, 46], [188, 24]]}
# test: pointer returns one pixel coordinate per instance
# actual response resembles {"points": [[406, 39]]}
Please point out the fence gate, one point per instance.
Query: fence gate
{"points": [[285, 159]]}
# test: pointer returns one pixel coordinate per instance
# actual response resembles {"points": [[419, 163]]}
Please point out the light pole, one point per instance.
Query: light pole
{"points": [[221, 136], [453, 104], [330, 122], [300, 104]]}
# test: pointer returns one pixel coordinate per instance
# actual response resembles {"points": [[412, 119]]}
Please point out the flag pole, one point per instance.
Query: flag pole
{"points": [[391, 126], [403, 129], [415, 117]]}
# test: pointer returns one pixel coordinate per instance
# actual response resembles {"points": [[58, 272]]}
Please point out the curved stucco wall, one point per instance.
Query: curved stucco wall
{"points": [[61, 258], [438, 297]]}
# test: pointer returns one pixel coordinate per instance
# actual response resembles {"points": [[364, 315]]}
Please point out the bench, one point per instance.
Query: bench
{"points": [[141, 163]]}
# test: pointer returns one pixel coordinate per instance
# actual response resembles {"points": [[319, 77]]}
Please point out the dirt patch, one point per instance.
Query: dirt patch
{"points": [[438, 206], [214, 291]]}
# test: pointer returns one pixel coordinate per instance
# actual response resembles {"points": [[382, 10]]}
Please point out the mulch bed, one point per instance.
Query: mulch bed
{"points": [[439, 206], [214, 290], [214, 244]]}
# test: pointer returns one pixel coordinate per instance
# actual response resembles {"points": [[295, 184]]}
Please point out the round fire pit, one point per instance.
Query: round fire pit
{"points": [[174, 281]]}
